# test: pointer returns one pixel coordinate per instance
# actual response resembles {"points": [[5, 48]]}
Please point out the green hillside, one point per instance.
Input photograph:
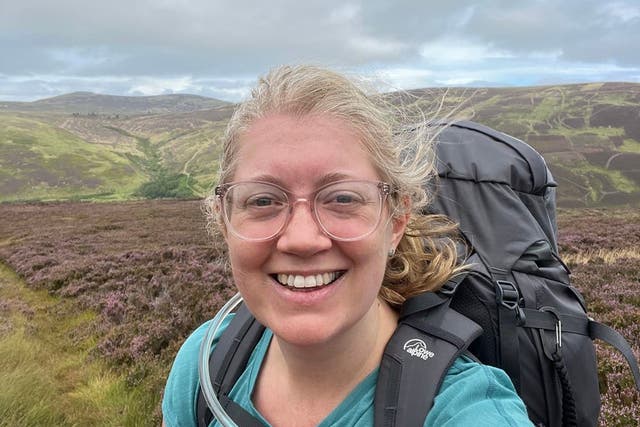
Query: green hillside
{"points": [[87, 103], [588, 133], [43, 162]]}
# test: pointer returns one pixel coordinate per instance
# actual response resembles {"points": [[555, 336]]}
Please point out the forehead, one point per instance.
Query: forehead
{"points": [[302, 151]]}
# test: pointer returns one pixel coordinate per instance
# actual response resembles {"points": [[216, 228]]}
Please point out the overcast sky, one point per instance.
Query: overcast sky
{"points": [[217, 48]]}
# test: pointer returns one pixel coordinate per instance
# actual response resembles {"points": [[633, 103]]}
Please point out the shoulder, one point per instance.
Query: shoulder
{"points": [[478, 395], [178, 403]]}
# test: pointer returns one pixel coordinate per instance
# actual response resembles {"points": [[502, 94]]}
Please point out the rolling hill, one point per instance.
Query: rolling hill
{"points": [[83, 103], [588, 133], [87, 146]]}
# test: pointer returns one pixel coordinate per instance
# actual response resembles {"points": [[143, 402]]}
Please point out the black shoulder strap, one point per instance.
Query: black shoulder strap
{"points": [[429, 337], [226, 364], [598, 330]]}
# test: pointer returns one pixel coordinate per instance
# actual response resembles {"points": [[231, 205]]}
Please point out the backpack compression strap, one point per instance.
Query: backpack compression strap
{"points": [[429, 337], [585, 326], [226, 364]]}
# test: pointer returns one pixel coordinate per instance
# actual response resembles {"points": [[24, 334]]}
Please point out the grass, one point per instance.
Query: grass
{"points": [[101, 158], [146, 275], [548, 106], [49, 163], [630, 146], [47, 372], [602, 180], [603, 132], [607, 256]]}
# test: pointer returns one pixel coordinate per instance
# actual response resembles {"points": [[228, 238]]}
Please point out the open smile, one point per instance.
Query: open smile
{"points": [[311, 282]]}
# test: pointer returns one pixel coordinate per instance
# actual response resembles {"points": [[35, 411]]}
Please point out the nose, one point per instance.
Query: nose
{"points": [[302, 235]]}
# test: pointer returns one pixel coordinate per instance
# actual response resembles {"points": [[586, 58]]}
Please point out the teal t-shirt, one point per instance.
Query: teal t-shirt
{"points": [[471, 394]]}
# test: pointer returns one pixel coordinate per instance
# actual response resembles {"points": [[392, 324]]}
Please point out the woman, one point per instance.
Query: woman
{"points": [[319, 203]]}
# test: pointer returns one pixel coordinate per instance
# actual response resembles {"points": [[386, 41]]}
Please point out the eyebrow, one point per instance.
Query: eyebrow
{"points": [[323, 180], [332, 177]]}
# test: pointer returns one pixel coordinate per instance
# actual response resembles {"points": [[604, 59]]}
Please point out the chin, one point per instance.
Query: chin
{"points": [[306, 332]]}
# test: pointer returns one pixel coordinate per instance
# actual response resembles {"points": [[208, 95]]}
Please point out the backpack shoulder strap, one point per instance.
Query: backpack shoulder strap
{"points": [[227, 362], [598, 330], [429, 337]]}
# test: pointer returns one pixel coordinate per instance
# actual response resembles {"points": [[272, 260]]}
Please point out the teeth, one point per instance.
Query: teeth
{"points": [[298, 281], [310, 281]]}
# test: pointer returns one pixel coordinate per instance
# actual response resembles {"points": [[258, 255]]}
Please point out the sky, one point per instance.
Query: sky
{"points": [[218, 48]]}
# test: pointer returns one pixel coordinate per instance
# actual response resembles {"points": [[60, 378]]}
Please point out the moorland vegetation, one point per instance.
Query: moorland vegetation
{"points": [[96, 298], [105, 293]]}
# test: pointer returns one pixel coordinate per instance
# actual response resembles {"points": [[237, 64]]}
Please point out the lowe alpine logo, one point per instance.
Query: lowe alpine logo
{"points": [[417, 348]]}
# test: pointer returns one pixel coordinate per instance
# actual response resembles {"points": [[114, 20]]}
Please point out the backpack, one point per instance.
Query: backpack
{"points": [[514, 308], [535, 327]]}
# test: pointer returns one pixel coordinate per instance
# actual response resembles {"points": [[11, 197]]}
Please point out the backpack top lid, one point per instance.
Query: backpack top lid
{"points": [[497, 188]]}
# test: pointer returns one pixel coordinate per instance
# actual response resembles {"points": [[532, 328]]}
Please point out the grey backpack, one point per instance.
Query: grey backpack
{"points": [[535, 326], [514, 308]]}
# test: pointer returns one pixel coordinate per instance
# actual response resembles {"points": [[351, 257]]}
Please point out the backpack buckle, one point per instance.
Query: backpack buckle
{"points": [[507, 294]]}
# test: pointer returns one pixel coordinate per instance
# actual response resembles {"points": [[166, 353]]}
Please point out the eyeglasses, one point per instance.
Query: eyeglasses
{"points": [[345, 210]]}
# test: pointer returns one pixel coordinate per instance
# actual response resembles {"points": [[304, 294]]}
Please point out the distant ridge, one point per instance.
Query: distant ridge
{"points": [[84, 146], [91, 103]]}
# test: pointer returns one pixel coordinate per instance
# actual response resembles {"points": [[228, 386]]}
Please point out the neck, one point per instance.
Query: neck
{"points": [[338, 366]]}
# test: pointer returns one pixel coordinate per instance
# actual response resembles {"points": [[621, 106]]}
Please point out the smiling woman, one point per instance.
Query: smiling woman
{"points": [[319, 201]]}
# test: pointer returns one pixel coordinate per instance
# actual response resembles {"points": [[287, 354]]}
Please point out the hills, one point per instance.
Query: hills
{"points": [[589, 134], [91, 103], [102, 147]]}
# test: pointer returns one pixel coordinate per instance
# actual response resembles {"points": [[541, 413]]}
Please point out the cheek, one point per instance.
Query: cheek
{"points": [[246, 260], [373, 256], [380, 253]]}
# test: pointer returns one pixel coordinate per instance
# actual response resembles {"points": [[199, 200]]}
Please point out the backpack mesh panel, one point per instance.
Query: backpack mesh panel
{"points": [[471, 301]]}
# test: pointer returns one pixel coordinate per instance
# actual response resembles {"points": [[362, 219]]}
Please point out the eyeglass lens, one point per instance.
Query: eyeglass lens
{"points": [[345, 210]]}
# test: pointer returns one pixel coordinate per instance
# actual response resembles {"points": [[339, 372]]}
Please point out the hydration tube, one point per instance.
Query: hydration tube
{"points": [[203, 367]]}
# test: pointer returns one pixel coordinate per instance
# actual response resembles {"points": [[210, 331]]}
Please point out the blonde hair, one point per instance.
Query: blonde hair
{"points": [[403, 156]]}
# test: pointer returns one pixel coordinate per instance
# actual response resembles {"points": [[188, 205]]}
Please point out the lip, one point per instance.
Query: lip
{"points": [[308, 296], [307, 281], [307, 272]]}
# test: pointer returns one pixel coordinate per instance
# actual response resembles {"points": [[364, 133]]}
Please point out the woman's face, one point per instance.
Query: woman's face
{"points": [[300, 155]]}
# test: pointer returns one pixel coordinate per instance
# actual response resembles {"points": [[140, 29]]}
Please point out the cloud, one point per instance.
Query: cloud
{"points": [[147, 46], [458, 50], [151, 86], [623, 12]]}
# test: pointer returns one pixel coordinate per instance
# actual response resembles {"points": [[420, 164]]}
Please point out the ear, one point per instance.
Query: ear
{"points": [[400, 220], [215, 216]]}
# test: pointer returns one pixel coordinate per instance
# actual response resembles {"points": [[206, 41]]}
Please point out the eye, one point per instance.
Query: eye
{"points": [[341, 199], [344, 198], [262, 201]]}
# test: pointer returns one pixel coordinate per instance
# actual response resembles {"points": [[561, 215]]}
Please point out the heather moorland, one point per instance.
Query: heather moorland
{"points": [[96, 298]]}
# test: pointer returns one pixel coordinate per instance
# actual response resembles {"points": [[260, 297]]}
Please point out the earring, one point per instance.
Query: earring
{"points": [[391, 252]]}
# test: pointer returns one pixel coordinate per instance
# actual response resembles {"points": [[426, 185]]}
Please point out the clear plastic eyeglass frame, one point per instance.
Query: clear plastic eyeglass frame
{"points": [[385, 190]]}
